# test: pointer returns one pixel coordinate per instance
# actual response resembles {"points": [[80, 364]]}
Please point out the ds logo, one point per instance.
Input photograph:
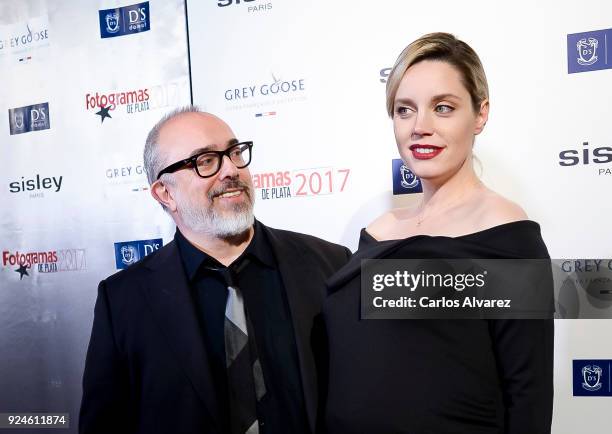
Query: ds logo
{"points": [[589, 51], [137, 16], [592, 377], [29, 118], [125, 20], [38, 114], [130, 252], [404, 181]]}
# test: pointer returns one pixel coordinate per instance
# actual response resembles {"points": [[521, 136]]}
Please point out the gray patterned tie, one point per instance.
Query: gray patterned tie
{"points": [[246, 384]]}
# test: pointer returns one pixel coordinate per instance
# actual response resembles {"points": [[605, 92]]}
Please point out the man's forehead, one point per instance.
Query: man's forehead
{"points": [[191, 131]]}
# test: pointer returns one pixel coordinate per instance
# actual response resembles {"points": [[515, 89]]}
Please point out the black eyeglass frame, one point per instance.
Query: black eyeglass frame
{"points": [[192, 160]]}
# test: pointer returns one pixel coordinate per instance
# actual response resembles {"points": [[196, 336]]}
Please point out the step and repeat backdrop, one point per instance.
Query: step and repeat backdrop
{"points": [[304, 79], [82, 82]]}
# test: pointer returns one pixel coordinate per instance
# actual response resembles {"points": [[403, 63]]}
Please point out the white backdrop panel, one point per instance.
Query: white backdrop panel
{"points": [[337, 121], [46, 314]]}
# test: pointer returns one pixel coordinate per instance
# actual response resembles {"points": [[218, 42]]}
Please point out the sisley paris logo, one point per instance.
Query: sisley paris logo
{"points": [[29, 118], [125, 20], [130, 252], [591, 374], [404, 181], [589, 51]]}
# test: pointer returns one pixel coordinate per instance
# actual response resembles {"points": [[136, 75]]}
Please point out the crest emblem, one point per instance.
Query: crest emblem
{"points": [[587, 51], [407, 178], [591, 376], [129, 254], [18, 119], [112, 22]]}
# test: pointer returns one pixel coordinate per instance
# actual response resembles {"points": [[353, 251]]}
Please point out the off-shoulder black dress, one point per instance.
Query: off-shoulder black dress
{"points": [[436, 376]]}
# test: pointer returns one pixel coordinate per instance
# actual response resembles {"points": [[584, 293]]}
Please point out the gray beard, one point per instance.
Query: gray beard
{"points": [[215, 224]]}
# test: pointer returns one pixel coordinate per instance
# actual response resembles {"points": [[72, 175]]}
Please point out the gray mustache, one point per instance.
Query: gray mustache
{"points": [[232, 184]]}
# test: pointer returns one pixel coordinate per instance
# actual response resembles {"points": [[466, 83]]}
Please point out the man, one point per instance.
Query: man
{"points": [[211, 333]]}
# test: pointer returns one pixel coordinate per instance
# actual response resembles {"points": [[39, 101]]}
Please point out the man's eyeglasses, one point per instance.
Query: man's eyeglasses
{"points": [[208, 163]]}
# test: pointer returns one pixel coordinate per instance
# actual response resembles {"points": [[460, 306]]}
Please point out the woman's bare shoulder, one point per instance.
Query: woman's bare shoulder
{"points": [[495, 210]]}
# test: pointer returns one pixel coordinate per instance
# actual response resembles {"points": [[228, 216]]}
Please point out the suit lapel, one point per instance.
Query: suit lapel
{"points": [[295, 270], [173, 308]]}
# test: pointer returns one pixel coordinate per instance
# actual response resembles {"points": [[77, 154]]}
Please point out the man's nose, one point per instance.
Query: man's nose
{"points": [[228, 168]]}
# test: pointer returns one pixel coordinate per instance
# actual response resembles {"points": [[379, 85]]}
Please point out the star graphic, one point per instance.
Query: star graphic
{"points": [[103, 113], [22, 270]]}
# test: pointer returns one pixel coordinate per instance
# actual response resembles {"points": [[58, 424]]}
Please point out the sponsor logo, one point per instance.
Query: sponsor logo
{"points": [[272, 92], [591, 277], [128, 177], [285, 184], [272, 88], [111, 104], [130, 252], [595, 156], [50, 261], [592, 377], [29, 118], [589, 51], [22, 38], [404, 181], [104, 113], [252, 6], [265, 114], [384, 74], [36, 186], [134, 100], [587, 47], [125, 20]]}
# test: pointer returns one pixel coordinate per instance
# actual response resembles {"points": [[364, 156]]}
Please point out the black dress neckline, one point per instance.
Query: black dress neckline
{"points": [[520, 239], [366, 236]]}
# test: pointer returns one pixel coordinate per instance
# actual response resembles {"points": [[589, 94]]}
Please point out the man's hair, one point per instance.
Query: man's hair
{"points": [[154, 162]]}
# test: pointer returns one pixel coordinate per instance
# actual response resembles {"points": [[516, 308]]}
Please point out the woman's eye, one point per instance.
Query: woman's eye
{"points": [[402, 110], [443, 108]]}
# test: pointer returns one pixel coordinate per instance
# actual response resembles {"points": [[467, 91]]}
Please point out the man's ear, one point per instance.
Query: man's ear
{"points": [[482, 117], [161, 193]]}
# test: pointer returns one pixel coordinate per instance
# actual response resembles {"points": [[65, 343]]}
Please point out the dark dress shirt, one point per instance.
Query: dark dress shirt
{"points": [[282, 410]]}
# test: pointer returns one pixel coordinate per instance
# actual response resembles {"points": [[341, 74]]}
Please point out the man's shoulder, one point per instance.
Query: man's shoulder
{"points": [[305, 242], [136, 271]]}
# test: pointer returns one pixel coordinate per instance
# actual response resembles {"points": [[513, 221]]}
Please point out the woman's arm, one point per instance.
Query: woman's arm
{"points": [[524, 354]]}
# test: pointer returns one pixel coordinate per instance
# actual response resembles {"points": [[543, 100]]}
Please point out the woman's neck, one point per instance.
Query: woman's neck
{"points": [[440, 193]]}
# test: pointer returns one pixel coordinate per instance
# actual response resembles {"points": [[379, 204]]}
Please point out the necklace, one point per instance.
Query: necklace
{"points": [[421, 216]]}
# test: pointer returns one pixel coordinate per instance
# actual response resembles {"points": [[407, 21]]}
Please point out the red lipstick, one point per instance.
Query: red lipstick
{"points": [[425, 151]]}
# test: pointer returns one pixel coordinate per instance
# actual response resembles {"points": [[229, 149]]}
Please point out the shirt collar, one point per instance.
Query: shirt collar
{"points": [[193, 258], [260, 248]]}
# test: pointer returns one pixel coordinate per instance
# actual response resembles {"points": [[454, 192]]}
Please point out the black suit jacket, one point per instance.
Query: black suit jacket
{"points": [[147, 369]]}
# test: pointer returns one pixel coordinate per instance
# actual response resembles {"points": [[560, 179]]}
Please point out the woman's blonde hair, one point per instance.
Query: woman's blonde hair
{"points": [[447, 48]]}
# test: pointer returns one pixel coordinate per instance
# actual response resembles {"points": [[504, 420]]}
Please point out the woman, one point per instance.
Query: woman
{"points": [[439, 376]]}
